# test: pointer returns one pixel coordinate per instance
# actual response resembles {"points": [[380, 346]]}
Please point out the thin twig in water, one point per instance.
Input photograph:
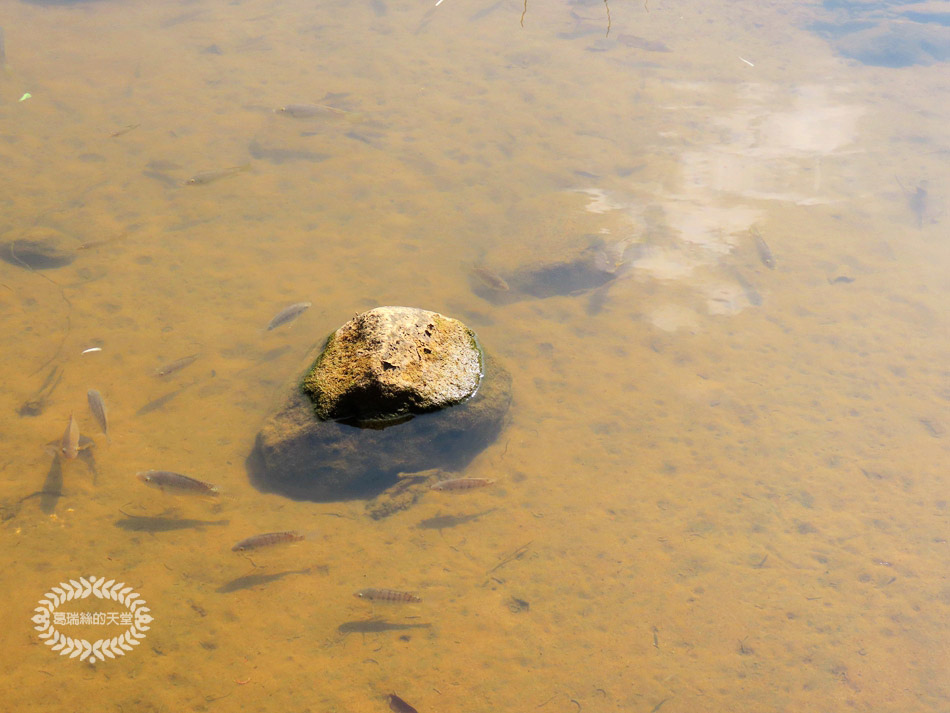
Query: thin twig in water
{"points": [[608, 18], [513, 556], [523, 13]]}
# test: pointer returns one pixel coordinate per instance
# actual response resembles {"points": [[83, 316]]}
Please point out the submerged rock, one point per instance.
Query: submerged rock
{"points": [[596, 266], [376, 403], [392, 363]]}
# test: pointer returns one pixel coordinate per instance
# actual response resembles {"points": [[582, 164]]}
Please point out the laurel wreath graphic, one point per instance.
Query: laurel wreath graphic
{"points": [[73, 590]]}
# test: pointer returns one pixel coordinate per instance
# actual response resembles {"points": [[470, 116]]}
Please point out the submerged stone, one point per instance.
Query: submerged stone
{"points": [[395, 390], [594, 267], [391, 363]]}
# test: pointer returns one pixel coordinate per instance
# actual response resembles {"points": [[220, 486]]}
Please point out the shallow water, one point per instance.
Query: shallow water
{"points": [[707, 504]]}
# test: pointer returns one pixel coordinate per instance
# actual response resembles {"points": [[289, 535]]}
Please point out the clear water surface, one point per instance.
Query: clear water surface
{"points": [[722, 487]]}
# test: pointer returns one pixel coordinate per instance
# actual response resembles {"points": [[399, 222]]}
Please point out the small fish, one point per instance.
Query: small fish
{"points": [[176, 365], [641, 43], [916, 200], [206, 177], [615, 254], [311, 111], [398, 705], [918, 204], [70, 443], [98, 408], [266, 540], [99, 243], [516, 605], [124, 130], [490, 278], [461, 484], [934, 427], [610, 258], [386, 595], [91, 350], [176, 483], [765, 253], [288, 314]]}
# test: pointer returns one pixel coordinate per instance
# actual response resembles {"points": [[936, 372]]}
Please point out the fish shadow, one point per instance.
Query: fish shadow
{"points": [[52, 487], [442, 522], [256, 580], [377, 626]]}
